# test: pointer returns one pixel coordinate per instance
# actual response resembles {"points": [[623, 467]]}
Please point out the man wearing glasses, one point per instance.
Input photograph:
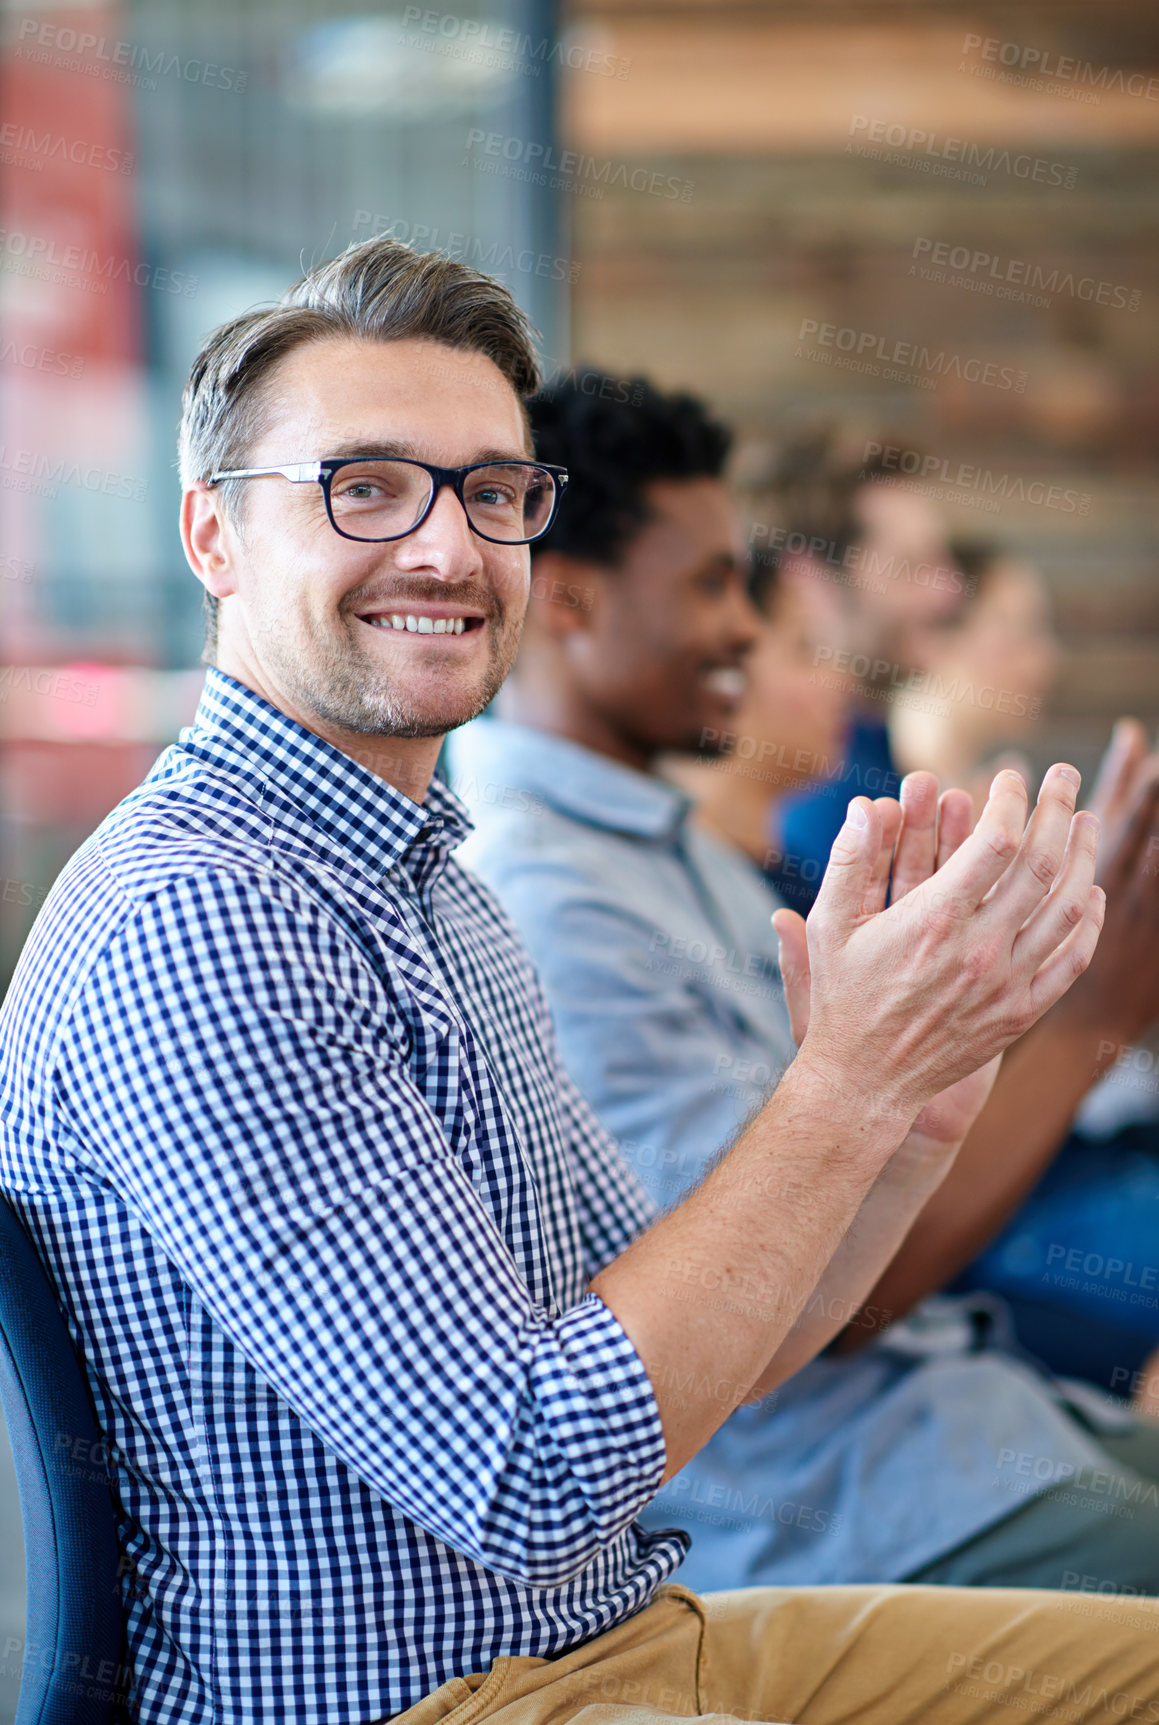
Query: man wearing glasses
{"points": [[386, 1343]]}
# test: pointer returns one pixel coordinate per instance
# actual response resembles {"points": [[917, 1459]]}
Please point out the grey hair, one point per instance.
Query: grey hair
{"points": [[377, 290]]}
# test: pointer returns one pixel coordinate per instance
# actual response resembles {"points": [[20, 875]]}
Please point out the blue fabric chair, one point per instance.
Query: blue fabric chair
{"points": [[73, 1643]]}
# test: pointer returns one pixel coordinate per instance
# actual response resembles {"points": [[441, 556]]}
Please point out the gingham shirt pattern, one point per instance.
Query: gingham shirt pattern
{"points": [[283, 1113]]}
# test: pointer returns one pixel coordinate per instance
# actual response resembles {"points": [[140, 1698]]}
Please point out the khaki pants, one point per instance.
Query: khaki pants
{"points": [[819, 1656]]}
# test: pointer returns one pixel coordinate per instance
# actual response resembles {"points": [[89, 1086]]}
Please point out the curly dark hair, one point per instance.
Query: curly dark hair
{"points": [[616, 436]]}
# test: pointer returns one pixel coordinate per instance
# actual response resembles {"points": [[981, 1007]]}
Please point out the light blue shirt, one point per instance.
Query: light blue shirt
{"points": [[655, 947]]}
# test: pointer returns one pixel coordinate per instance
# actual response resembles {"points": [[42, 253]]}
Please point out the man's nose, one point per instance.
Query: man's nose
{"points": [[446, 532]]}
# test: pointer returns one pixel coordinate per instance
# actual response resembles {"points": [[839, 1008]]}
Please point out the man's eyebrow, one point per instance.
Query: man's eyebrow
{"points": [[363, 446], [406, 451], [504, 455]]}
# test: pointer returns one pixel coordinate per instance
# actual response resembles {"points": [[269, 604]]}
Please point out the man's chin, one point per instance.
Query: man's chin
{"points": [[448, 711], [712, 735], [361, 695], [399, 714], [404, 720]]}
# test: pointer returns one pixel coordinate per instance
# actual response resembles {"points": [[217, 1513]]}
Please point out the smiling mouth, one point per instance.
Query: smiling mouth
{"points": [[727, 680], [419, 623]]}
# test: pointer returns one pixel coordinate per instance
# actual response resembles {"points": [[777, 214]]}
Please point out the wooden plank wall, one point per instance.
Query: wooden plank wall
{"points": [[783, 121]]}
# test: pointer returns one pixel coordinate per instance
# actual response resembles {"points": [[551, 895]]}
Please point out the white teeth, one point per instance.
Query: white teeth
{"points": [[420, 625], [728, 680]]}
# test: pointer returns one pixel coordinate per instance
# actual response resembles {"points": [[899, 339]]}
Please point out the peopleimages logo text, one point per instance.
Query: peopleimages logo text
{"points": [[17, 679], [40, 41], [38, 251], [574, 168], [1014, 273], [1042, 63], [494, 256], [24, 146], [966, 476], [866, 349], [477, 37], [915, 140], [29, 470]]}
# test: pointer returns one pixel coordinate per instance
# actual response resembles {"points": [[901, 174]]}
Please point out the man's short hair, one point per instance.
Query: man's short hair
{"points": [[815, 483], [617, 436], [378, 290]]}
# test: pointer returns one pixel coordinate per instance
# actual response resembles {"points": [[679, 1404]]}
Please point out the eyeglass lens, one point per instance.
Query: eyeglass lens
{"points": [[507, 500]]}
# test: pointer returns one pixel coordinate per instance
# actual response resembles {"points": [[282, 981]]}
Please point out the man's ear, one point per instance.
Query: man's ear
{"points": [[208, 539], [566, 593]]}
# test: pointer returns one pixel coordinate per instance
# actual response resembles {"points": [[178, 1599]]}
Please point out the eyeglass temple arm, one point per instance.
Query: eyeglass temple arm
{"points": [[301, 474]]}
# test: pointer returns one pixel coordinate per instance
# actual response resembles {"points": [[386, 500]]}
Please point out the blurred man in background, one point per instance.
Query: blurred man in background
{"points": [[662, 970]]}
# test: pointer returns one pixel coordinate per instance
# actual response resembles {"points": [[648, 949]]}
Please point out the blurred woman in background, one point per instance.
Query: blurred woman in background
{"points": [[987, 675]]}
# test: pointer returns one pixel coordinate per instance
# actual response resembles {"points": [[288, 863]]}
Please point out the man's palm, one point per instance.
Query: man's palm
{"points": [[918, 836]]}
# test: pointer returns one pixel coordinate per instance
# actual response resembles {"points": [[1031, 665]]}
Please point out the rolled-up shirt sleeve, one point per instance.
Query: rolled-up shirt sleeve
{"points": [[614, 1208], [238, 1070]]}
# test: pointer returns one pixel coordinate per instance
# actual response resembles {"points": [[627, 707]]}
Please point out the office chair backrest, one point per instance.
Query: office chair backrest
{"points": [[73, 1640]]}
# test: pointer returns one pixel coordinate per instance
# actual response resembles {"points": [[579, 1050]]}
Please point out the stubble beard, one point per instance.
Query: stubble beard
{"points": [[350, 690]]}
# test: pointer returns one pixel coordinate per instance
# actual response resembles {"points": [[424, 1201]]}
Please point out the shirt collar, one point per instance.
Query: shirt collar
{"points": [[577, 781], [307, 779]]}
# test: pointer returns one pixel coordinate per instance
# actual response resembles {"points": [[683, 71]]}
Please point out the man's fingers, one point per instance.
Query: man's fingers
{"points": [[1137, 837], [985, 856], [789, 927], [955, 822], [848, 876], [1065, 905], [915, 854], [1068, 961], [890, 812], [1124, 755], [1043, 849]]}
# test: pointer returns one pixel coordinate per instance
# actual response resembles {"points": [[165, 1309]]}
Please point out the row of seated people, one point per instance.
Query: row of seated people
{"points": [[413, 1384], [641, 842]]}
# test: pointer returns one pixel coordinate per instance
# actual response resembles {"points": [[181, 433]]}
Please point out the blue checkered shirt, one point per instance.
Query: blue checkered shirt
{"points": [[284, 1116]]}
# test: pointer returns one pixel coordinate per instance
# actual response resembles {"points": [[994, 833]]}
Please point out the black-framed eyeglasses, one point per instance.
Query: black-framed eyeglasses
{"points": [[378, 499]]}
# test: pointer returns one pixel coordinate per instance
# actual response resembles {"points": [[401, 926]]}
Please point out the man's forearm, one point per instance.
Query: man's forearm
{"points": [[1042, 1080], [715, 1289], [841, 1299]]}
